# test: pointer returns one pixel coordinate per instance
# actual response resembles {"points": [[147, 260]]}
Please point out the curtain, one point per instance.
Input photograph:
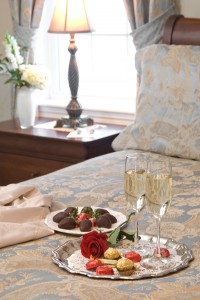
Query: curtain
{"points": [[147, 19], [26, 16]]}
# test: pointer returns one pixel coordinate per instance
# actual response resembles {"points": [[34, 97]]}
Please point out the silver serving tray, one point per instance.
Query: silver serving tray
{"points": [[68, 256]]}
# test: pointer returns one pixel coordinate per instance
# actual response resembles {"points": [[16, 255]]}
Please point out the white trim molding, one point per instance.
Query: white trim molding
{"points": [[107, 117]]}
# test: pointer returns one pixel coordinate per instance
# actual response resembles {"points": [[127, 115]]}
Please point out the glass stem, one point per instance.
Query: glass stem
{"points": [[137, 227], [158, 238]]}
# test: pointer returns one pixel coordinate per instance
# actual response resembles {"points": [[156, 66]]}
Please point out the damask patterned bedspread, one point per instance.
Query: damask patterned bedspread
{"points": [[27, 270]]}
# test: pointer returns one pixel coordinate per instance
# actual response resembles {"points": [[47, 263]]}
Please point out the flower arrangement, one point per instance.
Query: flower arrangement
{"points": [[31, 76]]}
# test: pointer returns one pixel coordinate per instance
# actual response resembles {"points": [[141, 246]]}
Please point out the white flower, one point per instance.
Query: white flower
{"points": [[31, 76], [12, 63], [34, 75], [12, 53], [11, 48]]}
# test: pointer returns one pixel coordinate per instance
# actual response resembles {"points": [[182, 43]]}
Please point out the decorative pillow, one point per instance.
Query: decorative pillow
{"points": [[168, 111]]}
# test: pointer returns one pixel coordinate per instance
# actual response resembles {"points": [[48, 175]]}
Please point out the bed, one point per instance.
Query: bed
{"points": [[27, 270]]}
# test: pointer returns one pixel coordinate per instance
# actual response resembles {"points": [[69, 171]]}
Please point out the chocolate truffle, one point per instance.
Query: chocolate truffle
{"points": [[111, 253], [67, 223], [59, 216], [125, 266], [85, 225], [104, 270], [103, 221]]}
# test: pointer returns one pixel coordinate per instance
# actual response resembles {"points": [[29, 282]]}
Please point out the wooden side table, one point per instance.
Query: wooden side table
{"points": [[28, 153]]}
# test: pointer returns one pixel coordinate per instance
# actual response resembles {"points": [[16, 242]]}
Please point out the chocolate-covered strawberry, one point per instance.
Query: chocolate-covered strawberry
{"points": [[87, 210], [85, 225], [72, 211], [67, 223], [101, 211], [103, 221], [111, 218], [59, 216]]}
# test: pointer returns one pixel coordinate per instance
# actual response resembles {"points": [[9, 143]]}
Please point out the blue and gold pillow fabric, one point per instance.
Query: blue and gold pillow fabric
{"points": [[168, 110]]}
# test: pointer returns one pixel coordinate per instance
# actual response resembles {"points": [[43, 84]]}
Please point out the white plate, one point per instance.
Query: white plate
{"points": [[76, 231]]}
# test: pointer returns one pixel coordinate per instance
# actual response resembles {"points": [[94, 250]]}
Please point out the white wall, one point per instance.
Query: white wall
{"points": [[5, 89], [189, 8]]}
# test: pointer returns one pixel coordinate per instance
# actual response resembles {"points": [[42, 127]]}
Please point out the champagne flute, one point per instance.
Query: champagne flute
{"points": [[134, 186], [158, 197]]}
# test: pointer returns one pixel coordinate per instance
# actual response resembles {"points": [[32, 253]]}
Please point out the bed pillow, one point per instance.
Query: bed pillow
{"points": [[168, 110]]}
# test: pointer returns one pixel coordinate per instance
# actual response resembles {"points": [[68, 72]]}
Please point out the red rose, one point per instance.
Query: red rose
{"points": [[94, 244]]}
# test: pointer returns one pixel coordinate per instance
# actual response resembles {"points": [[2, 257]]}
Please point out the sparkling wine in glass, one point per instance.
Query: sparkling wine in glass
{"points": [[134, 185], [158, 197]]}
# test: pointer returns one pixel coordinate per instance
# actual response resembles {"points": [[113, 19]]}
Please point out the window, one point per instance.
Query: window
{"points": [[105, 60]]}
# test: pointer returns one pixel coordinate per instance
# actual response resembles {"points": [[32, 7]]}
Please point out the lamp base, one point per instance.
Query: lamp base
{"points": [[67, 122]]}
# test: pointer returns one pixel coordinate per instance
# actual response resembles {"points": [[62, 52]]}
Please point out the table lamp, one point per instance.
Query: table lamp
{"points": [[70, 17]]}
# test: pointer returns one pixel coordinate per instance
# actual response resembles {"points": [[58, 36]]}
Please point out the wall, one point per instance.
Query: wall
{"points": [[187, 8], [5, 89]]}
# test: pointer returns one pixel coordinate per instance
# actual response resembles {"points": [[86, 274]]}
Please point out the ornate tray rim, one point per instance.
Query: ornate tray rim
{"points": [[187, 253]]}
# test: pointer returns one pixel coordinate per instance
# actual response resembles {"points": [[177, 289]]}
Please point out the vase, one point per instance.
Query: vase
{"points": [[26, 106]]}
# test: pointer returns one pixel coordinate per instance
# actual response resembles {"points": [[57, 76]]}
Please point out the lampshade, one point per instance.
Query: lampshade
{"points": [[70, 17]]}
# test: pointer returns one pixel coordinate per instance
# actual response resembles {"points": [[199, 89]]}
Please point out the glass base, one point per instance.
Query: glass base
{"points": [[156, 263], [142, 249]]}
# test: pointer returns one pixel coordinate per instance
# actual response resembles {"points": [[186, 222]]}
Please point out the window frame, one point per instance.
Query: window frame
{"points": [[51, 106]]}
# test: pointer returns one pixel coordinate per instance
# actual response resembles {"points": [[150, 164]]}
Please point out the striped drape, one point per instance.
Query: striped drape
{"points": [[147, 19], [26, 18]]}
